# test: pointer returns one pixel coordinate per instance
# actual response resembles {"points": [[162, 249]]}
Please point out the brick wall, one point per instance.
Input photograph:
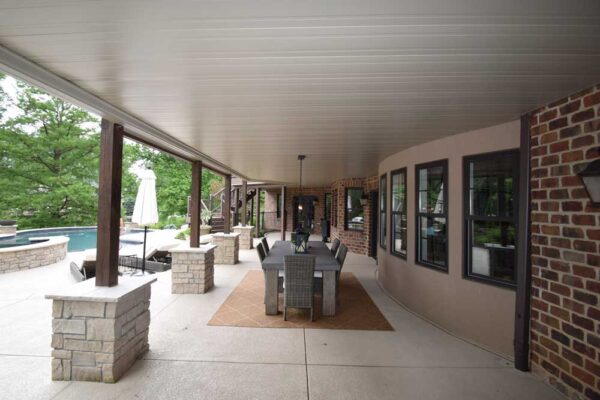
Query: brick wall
{"points": [[318, 192], [357, 241], [565, 319]]}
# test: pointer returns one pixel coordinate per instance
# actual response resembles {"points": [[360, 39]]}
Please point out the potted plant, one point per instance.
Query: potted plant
{"points": [[205, 217]]}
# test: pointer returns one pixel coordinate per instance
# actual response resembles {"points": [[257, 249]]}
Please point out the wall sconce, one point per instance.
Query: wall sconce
{"points": [[590, 177], [363, 200]]}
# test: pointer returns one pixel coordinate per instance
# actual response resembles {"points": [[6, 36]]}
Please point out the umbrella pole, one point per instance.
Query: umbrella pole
{"points": [[144, 251]]}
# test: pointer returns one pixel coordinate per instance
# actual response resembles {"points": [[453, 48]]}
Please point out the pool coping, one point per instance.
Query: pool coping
{"points": [[52, 241]]}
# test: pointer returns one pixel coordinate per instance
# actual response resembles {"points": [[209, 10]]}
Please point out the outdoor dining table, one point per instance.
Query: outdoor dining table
{"points": [[325, 262]]}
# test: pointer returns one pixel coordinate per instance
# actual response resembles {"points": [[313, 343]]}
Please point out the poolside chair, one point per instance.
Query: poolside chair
{"points": [[265, 244], [298, 277], [334, 246], [78, 273]]}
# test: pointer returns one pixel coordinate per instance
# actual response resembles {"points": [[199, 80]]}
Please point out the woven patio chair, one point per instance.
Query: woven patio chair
{"points": [[261, 255], [318, 278], [334, 246], [265, 244], [298, 277]]}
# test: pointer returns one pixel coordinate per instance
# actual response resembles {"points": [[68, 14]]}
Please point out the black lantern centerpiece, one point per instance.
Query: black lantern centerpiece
{"points": [[300, 236]]}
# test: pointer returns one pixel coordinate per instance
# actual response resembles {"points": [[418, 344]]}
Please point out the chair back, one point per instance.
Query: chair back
{"points": [[265, 245], [298, 273], [261, 252], [341, 256], [334, 246]]}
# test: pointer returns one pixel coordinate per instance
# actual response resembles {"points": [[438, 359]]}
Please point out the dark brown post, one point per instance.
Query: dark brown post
{"points": [[523, 297], [196, 204], [244, 194], [283, 213], [227, 205], [109, 204], [257, 212], [236, 207]]}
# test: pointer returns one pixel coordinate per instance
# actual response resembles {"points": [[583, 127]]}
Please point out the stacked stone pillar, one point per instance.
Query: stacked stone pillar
{"points": [[99, 332], [228, 248], [192, 269], [246, 235]]}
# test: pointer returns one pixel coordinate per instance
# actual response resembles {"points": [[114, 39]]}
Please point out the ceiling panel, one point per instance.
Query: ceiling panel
{"points": [[346, 82]]}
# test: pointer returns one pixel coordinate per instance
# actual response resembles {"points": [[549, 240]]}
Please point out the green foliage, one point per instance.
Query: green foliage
{"points": [[184, 234], [48, 162]]}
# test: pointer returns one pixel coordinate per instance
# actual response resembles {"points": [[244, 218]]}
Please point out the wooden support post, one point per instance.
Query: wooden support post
{"points": [[523, 295], [109, 204], [244, 194], [236, 207], [196, 204], [257, 224], [227, 205], [283, 213]]}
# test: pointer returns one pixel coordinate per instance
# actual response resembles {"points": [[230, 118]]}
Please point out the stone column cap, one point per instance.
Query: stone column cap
{"points": [[185, 248], [243, 227], [88, 291], [221, 234]]}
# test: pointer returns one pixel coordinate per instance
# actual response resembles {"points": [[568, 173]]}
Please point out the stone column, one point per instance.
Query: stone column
{"points": [[8, 230], [99, 332], [246, 235], [192, 269], [228, 248]]}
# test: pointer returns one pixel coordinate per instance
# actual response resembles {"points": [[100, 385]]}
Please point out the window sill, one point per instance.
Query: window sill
{"points": [[491, 281], [398, 255], [432, 266]]}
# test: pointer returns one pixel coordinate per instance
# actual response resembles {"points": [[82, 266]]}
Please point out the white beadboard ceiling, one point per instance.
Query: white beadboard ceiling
{"points": [[253, 84]]}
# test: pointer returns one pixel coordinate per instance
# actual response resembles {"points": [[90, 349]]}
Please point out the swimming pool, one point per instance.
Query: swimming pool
{"points": [[80, 238]]}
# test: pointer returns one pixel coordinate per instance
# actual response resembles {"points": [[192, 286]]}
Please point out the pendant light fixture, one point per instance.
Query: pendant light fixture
{"points": [[301, 157]]}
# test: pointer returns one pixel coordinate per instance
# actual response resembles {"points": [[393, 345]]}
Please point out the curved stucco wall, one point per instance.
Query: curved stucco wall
{"points": [[478, 312]]}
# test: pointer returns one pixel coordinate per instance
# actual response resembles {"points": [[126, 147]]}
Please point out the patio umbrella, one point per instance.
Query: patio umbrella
{"points": [[145, 211]]}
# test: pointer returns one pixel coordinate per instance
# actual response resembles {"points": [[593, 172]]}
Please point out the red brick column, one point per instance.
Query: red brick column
{"points": [[565, 235]]}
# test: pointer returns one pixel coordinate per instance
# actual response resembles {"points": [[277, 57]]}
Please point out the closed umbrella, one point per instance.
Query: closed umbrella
{"points": [[145, 211]]}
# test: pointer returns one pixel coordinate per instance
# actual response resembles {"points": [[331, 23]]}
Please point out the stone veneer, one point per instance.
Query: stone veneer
{"points": [[9, 230], [565, 246], [192, 269], [228, 248], [33, 255], [99, 332], [246, 235]]}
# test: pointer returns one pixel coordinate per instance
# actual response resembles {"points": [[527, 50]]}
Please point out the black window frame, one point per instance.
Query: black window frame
{"points": [[467, 217], [346, 208], [418, 214], [399, 171], [383, 211]]}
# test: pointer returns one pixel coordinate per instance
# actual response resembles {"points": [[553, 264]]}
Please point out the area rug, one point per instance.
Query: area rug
{"points": [[245, 308]]}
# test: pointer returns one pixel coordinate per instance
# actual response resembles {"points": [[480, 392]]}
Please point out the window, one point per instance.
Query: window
{"points": [[334, 208], [278, 205], [354, 209], [398, 216], [328, 206], [382, 210], [432, 214], [490, 210]]}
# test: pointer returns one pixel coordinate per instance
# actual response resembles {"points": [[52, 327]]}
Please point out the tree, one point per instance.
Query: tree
{"points": [[48, 162]]}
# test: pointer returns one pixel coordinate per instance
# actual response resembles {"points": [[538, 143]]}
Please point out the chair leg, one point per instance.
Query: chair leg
{"points": [[312, 317], [285, 313]]}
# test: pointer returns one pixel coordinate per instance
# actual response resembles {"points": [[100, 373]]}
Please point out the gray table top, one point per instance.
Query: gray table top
{"points": [[325, 261]]}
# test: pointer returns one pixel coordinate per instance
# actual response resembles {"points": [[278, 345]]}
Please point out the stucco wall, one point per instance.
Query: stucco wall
{"points": [[476, 311]]}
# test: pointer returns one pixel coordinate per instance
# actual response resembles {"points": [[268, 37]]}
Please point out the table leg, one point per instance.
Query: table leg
{"points": [[271, 295], [328, 293]]}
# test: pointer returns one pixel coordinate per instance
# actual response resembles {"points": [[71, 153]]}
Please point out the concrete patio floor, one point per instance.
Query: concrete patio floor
{"points": [[188, 359]]}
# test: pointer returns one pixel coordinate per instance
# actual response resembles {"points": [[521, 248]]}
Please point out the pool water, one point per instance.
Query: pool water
{"points": [[80, 238], [16, 241]]}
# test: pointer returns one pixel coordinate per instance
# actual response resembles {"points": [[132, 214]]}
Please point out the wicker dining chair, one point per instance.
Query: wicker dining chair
{"points": [[265, 244], [334, 246], [341, 258], [298, 276], [261, 255]]}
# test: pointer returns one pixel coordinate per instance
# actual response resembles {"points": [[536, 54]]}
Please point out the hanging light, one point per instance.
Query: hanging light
{"points": [[301, 157], [590, 177]]}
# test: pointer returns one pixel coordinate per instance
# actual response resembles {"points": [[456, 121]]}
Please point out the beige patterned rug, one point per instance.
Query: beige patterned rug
{"points": [[245, 307]]}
